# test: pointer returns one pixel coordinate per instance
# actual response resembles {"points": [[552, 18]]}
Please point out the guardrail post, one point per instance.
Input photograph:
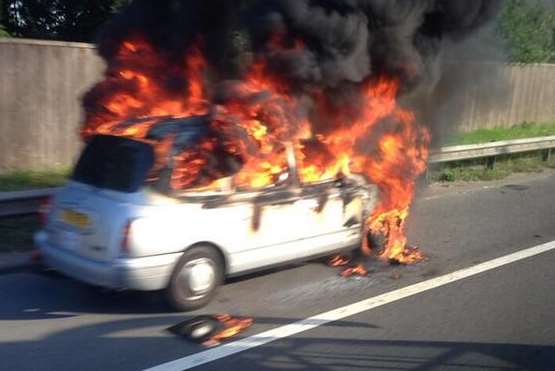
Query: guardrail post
{"points": [[490, 164], [428, 174], [546, 155]]}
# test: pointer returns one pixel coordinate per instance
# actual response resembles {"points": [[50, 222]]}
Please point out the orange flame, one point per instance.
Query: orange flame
{"points": [[376, 138], [134, 89], [232, 327], [338, 261], [357, 270]]}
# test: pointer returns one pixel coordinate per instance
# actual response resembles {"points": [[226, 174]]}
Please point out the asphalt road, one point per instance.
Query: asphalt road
{"points": [[502, 319]]}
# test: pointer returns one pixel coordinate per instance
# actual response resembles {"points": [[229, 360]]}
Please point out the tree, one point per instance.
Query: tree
{"points": [[58, 19], [529, 30], [3, 32]]}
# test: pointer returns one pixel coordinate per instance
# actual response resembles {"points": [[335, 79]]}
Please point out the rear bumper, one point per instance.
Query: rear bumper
{"points": [[146, 273]]}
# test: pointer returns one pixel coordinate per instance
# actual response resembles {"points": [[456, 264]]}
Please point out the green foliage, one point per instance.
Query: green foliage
{"points": [[30, 179], [120, 4], [529, 30], [475, 170], [3, 32], [58, 19], [524, 130]]}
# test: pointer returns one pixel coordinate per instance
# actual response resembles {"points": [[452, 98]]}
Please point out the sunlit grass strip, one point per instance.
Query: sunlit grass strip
{"points": [[476, 170], [524, 130], [32, 179]]}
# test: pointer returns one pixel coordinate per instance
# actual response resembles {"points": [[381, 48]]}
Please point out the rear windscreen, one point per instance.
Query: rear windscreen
{"points": [[115, 163]]}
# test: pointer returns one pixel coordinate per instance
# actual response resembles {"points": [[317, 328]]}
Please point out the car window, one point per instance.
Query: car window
{"points": [[114, 163]]}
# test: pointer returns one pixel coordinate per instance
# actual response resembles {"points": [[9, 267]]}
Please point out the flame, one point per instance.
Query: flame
{"points": [[232, 327], [357, 270], [338, 261], [133, 88], [372, 135]]}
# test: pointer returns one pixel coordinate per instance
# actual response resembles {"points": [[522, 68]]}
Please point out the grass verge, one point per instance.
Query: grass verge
{"points": [[476, 170], [24, 180], [524, 130], [17, 233]]}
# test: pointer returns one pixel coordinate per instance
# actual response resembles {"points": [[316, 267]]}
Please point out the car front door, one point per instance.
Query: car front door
{"points": [[332, 217]]}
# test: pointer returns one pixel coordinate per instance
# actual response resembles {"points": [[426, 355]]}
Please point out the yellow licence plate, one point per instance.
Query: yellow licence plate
{"points": [[75, 218]]}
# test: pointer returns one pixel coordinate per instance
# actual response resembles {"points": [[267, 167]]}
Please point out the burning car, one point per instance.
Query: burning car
{"points": [[225, 138], [115, 225]]}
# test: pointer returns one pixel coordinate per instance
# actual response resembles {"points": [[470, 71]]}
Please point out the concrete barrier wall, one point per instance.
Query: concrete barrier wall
{"points": [[42, 82]]}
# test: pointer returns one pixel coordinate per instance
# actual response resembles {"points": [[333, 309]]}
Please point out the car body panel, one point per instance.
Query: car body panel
{"points": [[88, 221], [148, 273]]}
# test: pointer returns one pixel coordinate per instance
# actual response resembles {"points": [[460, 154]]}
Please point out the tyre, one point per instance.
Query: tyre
{"points": [[377, 242], [195, 278]]}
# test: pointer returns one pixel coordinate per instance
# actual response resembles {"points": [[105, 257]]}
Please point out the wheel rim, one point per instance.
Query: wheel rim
{"points": [[197, 278]]}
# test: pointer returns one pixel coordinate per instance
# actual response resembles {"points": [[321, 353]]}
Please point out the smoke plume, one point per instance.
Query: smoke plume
{"points": [[345, 41], [353, 84]]}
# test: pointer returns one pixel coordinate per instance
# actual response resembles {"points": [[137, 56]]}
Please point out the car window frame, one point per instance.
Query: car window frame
{"points": [[292, 189]]}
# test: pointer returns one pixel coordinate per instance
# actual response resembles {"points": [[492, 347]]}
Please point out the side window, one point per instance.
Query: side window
{"points": [[267, 171]]}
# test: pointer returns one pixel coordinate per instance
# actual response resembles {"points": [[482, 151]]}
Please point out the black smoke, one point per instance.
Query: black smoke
{"points": [[346, 41]]}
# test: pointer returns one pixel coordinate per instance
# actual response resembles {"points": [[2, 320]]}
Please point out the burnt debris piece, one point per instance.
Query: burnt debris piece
{"points": [[357, 270], [211, 330], [338, 261]]}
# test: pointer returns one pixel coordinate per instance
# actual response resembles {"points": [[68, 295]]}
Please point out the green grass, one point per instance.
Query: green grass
{"points": [[17, 233], [524, 130], [476, 170], [23, 180]]}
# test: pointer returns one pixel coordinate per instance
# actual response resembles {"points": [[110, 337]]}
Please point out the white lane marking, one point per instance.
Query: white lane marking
{"points": [[266, 337]]}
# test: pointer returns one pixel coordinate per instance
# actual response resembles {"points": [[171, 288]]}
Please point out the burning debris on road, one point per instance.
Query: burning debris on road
{"points": [[349, 269], [338, 79], [338, 261], [211, 330], [357, 270]]}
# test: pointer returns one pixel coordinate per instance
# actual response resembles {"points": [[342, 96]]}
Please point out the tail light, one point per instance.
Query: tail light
{"points": [[44, 210]]}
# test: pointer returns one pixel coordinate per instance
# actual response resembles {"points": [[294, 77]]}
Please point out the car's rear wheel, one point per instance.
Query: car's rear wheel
{"points": [[195, 278]]}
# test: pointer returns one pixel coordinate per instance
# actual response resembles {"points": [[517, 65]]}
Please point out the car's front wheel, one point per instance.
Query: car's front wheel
{"points": [[195, 278]]}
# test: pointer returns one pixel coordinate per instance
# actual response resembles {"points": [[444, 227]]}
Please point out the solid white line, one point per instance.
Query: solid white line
{"points": [[266, 337]]}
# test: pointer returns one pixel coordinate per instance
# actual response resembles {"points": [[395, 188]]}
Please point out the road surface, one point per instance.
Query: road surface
{"points": [[500, 319]]}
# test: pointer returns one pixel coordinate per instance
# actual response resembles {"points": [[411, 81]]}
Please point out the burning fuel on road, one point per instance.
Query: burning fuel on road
{"points": [[343, 81]]}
